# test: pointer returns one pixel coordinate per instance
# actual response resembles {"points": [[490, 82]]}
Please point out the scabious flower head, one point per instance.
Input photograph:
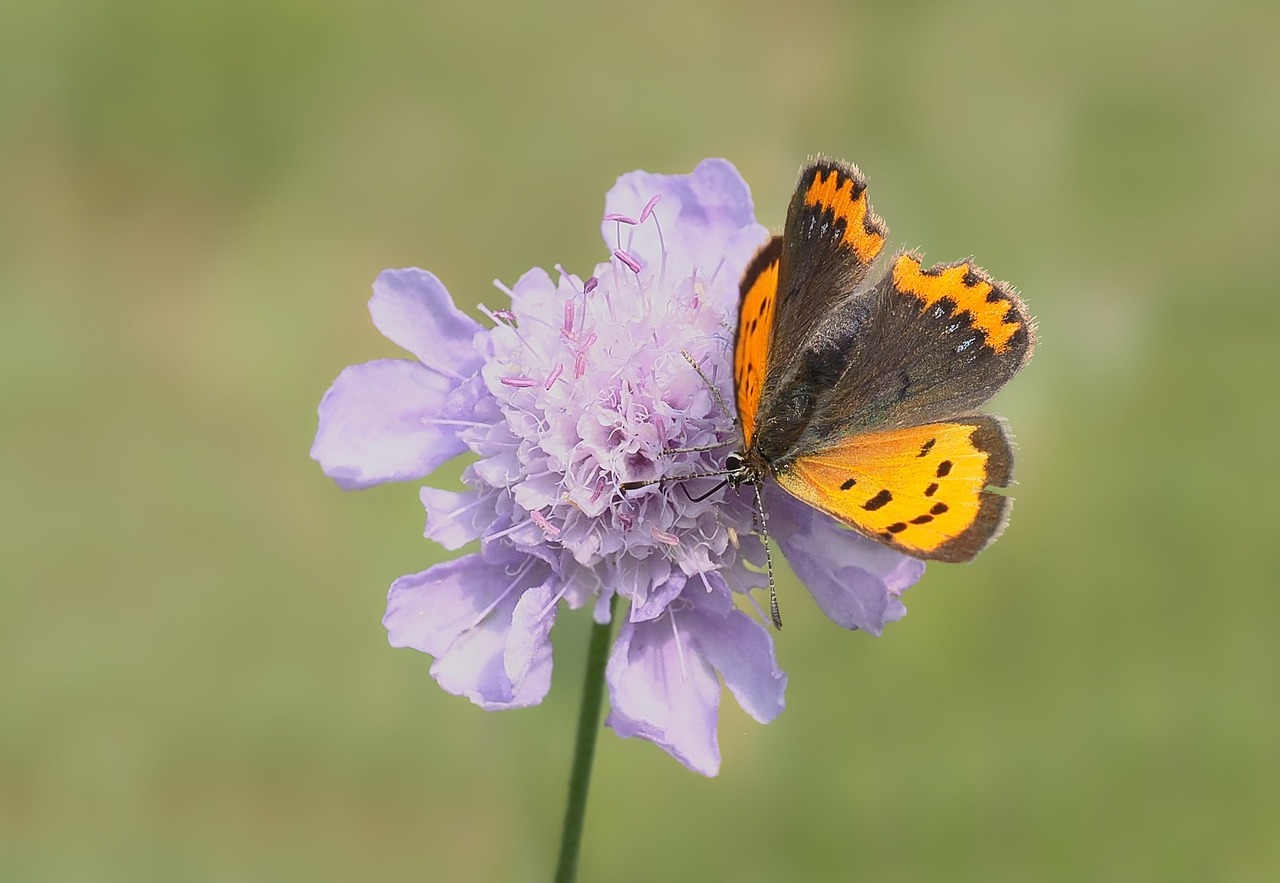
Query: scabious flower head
{"points": [[574, 388]]}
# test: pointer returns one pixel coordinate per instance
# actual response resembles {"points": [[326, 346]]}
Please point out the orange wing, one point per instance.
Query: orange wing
{"points": [[755, 321], [921, 489]]}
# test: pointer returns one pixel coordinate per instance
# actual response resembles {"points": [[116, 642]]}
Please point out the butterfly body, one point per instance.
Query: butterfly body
{"points": [[860, 399]]}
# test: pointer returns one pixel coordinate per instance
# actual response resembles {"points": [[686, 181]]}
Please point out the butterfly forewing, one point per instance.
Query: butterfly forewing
{"points": [[921, 489], [755, 321], [831, 237], [922, 345]]}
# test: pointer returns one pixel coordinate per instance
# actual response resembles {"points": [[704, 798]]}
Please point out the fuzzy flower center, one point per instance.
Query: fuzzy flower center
{"points": [[593, 390]]}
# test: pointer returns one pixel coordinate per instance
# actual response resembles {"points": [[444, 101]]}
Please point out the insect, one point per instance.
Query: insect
{"points": [[860, 398]]}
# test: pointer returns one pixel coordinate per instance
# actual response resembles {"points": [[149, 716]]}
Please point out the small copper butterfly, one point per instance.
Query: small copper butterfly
{"points": [[860, 399]]}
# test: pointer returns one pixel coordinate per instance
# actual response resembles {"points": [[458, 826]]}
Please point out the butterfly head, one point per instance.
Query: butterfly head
{"points": [[738, 471]]}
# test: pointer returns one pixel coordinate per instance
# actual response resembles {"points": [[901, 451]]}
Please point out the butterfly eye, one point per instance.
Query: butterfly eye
{"points": [[733, 462]]}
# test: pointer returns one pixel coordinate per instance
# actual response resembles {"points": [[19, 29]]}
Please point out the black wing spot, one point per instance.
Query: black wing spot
{"points": [[939, 508], [764, 304], [896, 527], [971, 278], [848, 483], [944, 468], [881, 499], [924, 449], [931, 489], [922, 519]]}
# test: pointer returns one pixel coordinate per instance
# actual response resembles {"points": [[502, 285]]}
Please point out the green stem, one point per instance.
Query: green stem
{"points": [[584, 749]]}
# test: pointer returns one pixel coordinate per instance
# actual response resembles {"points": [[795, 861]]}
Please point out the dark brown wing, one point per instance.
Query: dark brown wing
{"points": [[831, 238]]}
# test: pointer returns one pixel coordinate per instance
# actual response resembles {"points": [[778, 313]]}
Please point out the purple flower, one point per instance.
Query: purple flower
{"points": [[579, 386]]}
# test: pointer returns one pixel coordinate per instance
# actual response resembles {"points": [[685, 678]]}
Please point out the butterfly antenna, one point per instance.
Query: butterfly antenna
{"points": [[768, 559], [715, 391], [636, 485]]}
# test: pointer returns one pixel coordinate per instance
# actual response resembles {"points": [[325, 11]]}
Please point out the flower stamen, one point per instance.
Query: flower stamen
{"points": [[627, 259], [549, 528], [664, 537], [649, 206], [566, 330], [555, 375]]}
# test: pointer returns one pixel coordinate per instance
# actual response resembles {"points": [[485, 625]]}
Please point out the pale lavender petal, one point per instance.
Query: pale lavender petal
{"points": [[429, 610], [378, 423], [658, 598], [531, 623], [600, 614], [741, 649], [664, 692], [856, 581], [454, 519], [699, 215], [413, 309], [536, 294], [474, 665]]}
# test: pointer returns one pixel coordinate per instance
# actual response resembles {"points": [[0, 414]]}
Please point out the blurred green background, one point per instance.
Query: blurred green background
{"points": [[194, 201]]}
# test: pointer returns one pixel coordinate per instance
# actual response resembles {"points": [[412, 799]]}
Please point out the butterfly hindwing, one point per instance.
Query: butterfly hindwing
{"points": [[920, 489]]}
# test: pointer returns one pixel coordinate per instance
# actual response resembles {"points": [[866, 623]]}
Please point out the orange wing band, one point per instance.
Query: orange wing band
{"points": [[989, 303], [755, 321], [846, 198]]}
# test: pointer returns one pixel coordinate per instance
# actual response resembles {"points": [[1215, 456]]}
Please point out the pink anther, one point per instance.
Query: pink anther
{"points": [[627, 259], [547, 526], [667, 538], [648, 207], [555, 375], [567, 329]]}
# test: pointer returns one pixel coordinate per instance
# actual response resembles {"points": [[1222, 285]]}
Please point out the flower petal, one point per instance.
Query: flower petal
{"points": [[475, 665], [529, 642], [698, 214], [453, 519], [741, 649], [461, 612], [856, 581], [429, 610], [662, 691], [413, 309], [378, 424], [657, 598]]}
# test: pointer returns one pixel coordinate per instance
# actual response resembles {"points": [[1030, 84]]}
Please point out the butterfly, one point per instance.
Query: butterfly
{"points": [[860, 398]]}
